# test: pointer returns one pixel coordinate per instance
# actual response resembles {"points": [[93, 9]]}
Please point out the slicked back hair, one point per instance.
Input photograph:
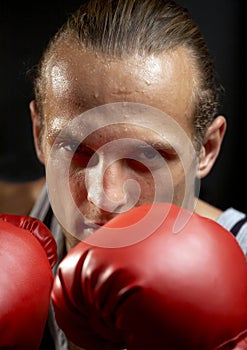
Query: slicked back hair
{"points": [[121, 28]]}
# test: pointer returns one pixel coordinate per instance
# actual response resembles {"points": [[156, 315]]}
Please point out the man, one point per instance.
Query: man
{"points": [[125, 113]]}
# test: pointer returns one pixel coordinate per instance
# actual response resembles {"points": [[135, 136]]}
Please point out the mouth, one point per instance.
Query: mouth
{"points": [[83, 230]]}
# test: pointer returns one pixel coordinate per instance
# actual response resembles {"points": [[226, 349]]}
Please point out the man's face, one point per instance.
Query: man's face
{"points": [[117, 134]]}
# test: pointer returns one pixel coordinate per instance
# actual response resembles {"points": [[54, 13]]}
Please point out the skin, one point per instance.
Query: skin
{"points": [[19, 198], [79, 80]]}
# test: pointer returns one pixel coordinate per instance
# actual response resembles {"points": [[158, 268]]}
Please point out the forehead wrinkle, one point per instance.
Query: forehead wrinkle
{"points": [[88, 91]]}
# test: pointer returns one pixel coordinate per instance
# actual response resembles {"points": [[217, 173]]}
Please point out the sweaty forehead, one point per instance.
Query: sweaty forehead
{"points": [[79, 79]]}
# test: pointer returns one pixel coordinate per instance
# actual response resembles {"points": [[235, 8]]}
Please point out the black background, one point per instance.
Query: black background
{"points": [[25, 31]]}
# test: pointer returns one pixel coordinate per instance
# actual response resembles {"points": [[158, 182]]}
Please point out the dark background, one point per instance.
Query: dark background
{"points": [[25, 31]]}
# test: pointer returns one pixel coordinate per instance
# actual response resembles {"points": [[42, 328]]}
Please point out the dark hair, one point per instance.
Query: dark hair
{"points": [[121, 28]]}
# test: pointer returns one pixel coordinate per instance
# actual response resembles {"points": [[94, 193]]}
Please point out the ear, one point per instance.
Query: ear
{"points": [[211, 146], [36, 130]]}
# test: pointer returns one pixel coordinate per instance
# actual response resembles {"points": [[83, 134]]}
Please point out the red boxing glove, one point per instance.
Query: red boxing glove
{"points": [[168, 291], [242, 345], [27, 253]]}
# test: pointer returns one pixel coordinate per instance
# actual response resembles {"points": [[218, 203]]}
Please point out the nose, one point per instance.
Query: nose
{"points": [[105, 186]]}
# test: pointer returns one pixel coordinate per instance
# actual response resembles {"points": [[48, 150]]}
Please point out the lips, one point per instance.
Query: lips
{"points": [[82, 230]]}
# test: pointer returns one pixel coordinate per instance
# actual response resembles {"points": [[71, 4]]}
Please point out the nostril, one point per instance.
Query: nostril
{"points": [[108, 201]]}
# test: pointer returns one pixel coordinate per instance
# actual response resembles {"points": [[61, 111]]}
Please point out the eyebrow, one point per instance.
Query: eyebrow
{"points": [[68, 134], [159, 145], [63, 135]]}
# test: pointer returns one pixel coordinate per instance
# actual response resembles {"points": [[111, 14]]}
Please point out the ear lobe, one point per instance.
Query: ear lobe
{"points": [[36, 121], [211, 146]]}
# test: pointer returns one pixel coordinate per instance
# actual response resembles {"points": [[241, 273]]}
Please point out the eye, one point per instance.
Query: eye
{"points": [[147, 158], [68, 146], [148, 153], [143, 158], [82, 156]]}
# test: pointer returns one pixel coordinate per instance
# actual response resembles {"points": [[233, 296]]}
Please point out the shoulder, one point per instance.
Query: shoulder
{"points": [[231, 219], [207, 210], [42, 205], [43, 211], [236, 222]]}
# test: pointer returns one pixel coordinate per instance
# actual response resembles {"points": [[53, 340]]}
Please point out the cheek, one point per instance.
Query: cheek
{"points": [[77, 187], [169, 184], [156, 186], [184, 186], [147, 187], [178, 175]]}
